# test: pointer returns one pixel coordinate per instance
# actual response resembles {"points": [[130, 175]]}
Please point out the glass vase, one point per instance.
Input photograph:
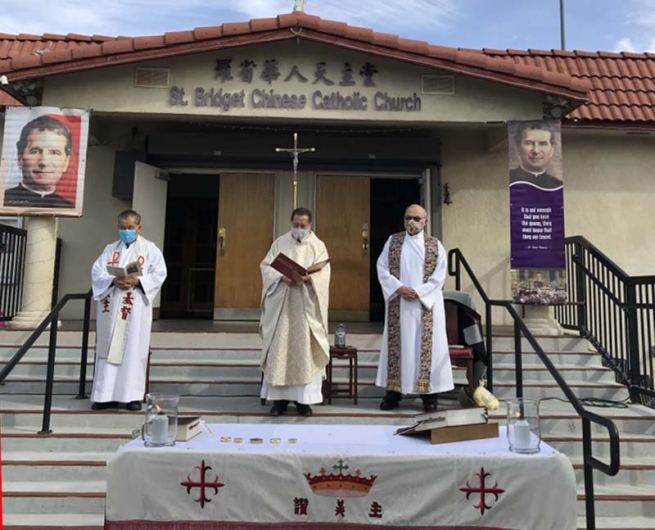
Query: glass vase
{"points": [[523, 426], [160, 427]]}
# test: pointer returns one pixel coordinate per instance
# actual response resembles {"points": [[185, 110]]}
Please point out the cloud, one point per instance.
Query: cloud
{"points": [[640, 22], [126, 17]]}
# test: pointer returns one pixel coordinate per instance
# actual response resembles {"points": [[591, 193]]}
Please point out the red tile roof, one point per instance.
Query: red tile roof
{"points": [[622, 84], [29, 56], [618, 88], [7, 100]]}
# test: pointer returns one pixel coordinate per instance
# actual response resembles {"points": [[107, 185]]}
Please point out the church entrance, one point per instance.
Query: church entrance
{"points": [[355, 214], [190, 246]]}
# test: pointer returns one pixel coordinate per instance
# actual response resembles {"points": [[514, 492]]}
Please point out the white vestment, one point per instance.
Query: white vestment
{"points": [[430, 295], [124, 382], [293, 325]]}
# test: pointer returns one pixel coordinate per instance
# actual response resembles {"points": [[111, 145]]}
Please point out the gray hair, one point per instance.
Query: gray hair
{"points": [[129, 213]]}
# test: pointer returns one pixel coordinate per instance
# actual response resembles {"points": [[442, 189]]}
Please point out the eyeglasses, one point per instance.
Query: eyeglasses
{"points": [[414, 218]]}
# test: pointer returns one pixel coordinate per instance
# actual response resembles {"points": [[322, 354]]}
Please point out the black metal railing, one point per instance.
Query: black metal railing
{"points": [[457, 262], [615, 312], [52, 320], [13, 243]]}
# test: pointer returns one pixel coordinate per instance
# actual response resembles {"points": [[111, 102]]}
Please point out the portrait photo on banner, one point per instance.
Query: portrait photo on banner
{"points": [[43, 161], [535, 153]]}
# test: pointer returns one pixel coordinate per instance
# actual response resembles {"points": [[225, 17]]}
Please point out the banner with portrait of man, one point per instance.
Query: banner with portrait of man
{"points": [[43, 161], [536, 192]]}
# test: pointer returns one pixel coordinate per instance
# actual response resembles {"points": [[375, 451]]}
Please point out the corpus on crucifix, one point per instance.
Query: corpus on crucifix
{"points": [[294, 152]]}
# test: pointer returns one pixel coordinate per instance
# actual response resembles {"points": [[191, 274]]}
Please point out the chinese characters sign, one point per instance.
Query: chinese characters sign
{"points": [[330, 88]]}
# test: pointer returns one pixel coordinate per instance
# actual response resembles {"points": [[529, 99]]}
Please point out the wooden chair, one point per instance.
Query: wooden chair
{"points": [[460, 355]]}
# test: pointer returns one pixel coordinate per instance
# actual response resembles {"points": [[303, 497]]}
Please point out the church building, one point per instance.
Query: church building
{"points": [[187, 127]]}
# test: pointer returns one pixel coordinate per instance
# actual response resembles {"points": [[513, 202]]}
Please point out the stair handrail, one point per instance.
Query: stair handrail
{"points": [[457, 261], [614, 310], [52, 320]]}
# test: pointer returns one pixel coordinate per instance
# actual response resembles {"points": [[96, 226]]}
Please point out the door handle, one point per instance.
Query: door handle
{"points": [[221, 241], [365, 242]]}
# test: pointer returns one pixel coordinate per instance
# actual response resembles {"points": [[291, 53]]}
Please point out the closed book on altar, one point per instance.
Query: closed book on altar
{"points": [[187, 428], [289, 268], [453, 425]]}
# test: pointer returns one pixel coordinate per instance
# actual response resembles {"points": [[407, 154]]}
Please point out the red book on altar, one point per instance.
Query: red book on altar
{"points": [[289, 268]]}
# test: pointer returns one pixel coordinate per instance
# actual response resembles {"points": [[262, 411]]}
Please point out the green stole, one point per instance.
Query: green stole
{"points": [[393, 317]]}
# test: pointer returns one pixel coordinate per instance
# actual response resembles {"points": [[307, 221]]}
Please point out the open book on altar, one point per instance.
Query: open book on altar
{"points": [[131, 269], [289, 268], [453, 425]]}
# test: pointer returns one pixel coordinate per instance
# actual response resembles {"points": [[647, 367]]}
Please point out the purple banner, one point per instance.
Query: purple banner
{"points": [[537, 227], [536, 196]]}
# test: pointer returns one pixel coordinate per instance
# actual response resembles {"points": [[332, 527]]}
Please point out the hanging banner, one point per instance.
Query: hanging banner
{"points": [[536, 194], [43, 161]]}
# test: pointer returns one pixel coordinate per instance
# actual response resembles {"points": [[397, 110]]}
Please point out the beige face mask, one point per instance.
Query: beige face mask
{"points": [[413, 227]]}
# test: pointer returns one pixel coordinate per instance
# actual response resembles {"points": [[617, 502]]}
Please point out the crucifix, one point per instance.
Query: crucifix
{"points": [[294, 152]]}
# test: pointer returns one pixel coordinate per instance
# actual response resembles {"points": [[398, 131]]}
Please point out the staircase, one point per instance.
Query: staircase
{"points": [[57, 481]]}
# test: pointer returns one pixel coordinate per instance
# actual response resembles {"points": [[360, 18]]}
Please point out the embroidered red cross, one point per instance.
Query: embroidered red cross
{"points": [[482, 490], [202, 484]]}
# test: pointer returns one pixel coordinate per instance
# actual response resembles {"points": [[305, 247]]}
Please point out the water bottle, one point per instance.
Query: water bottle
{"points": [[340, 336]]}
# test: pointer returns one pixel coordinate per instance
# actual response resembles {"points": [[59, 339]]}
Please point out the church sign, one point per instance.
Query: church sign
{"points": [[329, 92]]}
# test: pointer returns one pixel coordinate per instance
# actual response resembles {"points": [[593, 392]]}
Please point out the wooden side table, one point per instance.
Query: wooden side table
{"points": [[349, 390]]}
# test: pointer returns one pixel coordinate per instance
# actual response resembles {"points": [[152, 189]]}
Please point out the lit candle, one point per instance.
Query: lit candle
{"points": [[159, 429], [522, 434]]}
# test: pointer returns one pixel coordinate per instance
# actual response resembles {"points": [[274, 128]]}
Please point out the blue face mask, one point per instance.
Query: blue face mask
{"points": [[127, 236]]}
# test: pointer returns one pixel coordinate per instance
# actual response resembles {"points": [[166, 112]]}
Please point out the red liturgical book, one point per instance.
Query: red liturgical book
{"points": [[292, 270]]}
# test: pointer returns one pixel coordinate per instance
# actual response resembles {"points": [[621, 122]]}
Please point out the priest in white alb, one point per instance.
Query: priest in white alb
{"points": [[414, 355], [294, 320], [124, 316]]}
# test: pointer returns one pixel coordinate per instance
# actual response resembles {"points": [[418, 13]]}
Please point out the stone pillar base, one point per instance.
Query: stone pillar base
{"points": [[539, 320], [27, 320]]}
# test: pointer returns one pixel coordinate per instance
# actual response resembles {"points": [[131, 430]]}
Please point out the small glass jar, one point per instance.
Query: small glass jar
{"points": [[160, 427], [523, 428]]}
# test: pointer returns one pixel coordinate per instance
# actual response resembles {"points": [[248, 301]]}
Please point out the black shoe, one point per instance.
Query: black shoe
{"points": [[279, 407], [429, 402], [133, 405], [104, 405], [389, 405], [304, 410]]}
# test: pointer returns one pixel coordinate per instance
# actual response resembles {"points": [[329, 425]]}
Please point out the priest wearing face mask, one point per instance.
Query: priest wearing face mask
{"points": [[293, 325], [124, 316], [414, 355]]}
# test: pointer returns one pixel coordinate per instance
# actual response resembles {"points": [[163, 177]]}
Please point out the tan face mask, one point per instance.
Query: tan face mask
{"points": [[413, 227]]}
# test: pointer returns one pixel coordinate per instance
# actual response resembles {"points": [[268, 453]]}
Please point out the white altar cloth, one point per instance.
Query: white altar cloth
{"points": [[336, 476]]}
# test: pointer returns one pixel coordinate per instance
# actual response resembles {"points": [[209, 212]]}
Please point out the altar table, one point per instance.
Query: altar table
{"points": [[347, 477]]}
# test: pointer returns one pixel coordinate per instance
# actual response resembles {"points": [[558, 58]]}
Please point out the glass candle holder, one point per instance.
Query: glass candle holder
{"points": [[523, 428], [160, 427]]}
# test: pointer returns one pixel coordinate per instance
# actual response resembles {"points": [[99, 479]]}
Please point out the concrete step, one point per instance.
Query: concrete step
{"points": [[621, 501], [620, 523], [40, 470], [633, 472], [558, 358], [539, 374], [54, 521], [631, 446], [79, 497], [568, 343]]}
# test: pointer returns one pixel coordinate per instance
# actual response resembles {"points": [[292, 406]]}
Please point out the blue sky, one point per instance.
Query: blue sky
{"points": [[608, 25]]}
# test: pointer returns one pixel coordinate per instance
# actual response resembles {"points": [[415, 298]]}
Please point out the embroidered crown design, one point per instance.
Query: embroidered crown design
{"points": [[339, 485]]}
